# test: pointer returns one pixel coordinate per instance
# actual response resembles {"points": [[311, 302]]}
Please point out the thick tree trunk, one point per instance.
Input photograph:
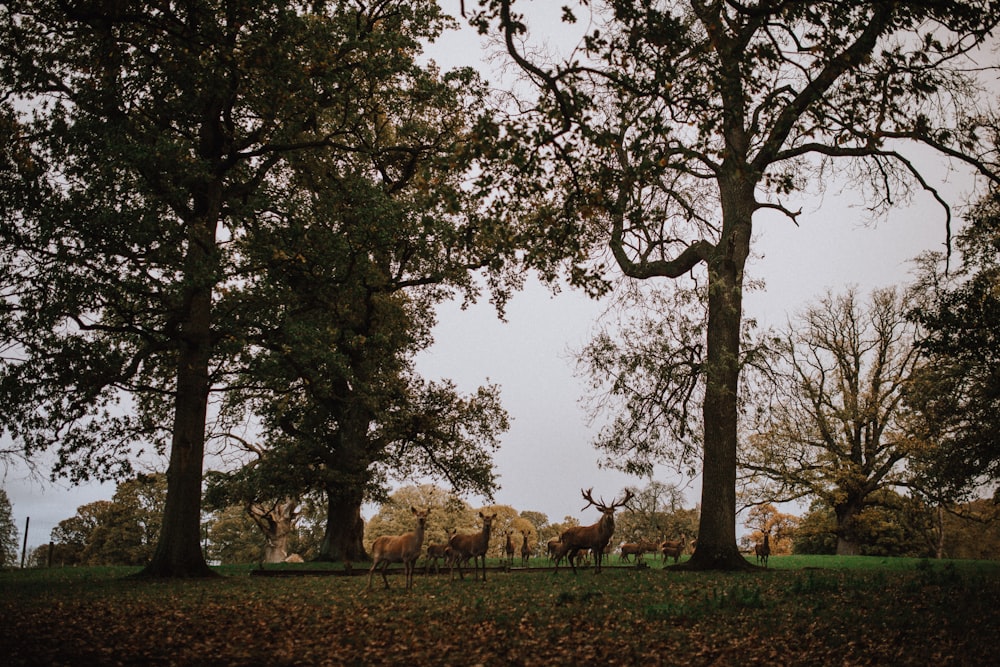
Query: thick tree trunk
{"points": [[178, 551], [846, 514], [717, 548], [343, 539], [277, 525]]}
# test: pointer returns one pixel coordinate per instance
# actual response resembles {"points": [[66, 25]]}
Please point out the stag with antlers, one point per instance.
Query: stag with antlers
{"points": [[403, 549], [592, 538], [473, 546]]}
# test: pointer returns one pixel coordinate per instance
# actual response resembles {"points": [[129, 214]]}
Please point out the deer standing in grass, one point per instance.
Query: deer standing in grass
{"points": [[403, 549], [471, 545], [435, 552], [525, 550], [590, 538], [629, 549], [672, 549], [764, 549], [552, 548], [509, 549]]}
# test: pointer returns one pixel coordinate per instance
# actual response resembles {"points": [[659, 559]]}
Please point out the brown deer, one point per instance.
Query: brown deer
{"points": [[590, 538], [473, 546], [552, 548], [525, 550], [629, 549], [672, 549], [764, 549], [509, 549], [436, 552], [403, 549]]}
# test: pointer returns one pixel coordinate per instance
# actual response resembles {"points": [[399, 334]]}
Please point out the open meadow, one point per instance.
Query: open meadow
{"points": [[801, 611]]}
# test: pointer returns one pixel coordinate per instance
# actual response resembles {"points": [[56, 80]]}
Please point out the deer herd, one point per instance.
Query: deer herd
{"points": [[577, 545]]}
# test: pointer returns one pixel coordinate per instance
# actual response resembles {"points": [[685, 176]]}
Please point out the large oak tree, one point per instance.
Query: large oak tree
{"points": [[347, 278], [144, 139], [675, 125]]}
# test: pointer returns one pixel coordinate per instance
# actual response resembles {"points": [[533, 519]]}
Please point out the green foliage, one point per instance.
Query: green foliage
{"points": [[122, 531], [955, 399], [889, 527], [164, 176]]}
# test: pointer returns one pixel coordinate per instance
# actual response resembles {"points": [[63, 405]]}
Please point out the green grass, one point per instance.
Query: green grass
{"points": [[800, 611]]}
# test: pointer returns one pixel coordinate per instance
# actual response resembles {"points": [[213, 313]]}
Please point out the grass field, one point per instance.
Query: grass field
{"points": [[801, 611]]}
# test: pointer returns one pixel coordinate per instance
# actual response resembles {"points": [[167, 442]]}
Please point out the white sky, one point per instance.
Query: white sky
{"points": [[547, 457]]}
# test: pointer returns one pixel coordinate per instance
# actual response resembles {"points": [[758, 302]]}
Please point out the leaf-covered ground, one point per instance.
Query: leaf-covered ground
{"points": [[930, 614]]}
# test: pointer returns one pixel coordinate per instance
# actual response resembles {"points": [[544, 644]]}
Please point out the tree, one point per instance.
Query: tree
{"points": [[276, 522], [677, 125], [127, 534], [955, 398], [766, 519], [72, 535], [145, 143], [892, 526], [448, 514], [120, 531], [8, 532], [348, 278], [972, 530], [656, 512], [830, 416], [232, 537]]}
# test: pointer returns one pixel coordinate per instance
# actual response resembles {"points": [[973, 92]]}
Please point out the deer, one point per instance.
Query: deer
{"points": [[629, 549], [473, 546], [552, 548], [525, 550], [591, 538], [509, 549], [436, 552], [672, 549], [764, 549], [403, 549]]}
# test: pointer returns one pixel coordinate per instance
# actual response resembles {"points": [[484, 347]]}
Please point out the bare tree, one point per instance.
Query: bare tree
{"points": [[830, 426]]}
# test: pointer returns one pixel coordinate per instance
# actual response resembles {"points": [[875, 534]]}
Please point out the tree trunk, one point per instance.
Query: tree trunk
{"points": [[343, 539], [846, 513], [178, 551], [717, 548], [276, 524]]}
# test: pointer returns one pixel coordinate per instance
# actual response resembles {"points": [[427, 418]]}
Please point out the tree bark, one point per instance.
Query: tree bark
{"points": [[846, 512], [343, 539], [717, 548], [178, 551], [277, 525]]}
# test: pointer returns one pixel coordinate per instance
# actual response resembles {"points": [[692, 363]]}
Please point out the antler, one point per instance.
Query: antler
{"points": [[588, 496], [624, 501]]}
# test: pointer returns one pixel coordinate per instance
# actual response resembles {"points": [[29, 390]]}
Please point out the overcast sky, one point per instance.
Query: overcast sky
{"points": [[547, 457]]}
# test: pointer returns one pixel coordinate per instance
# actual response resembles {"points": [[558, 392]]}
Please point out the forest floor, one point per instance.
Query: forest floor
{"points": [[814, 611]]}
